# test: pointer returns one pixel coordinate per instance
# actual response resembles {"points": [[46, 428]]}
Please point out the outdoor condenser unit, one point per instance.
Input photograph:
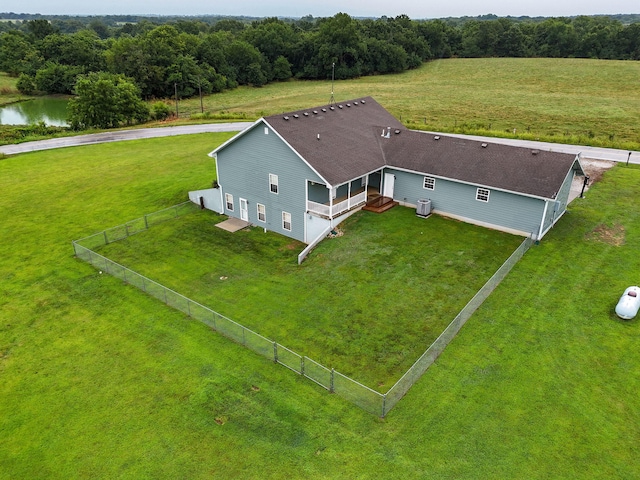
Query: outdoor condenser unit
{"points": [[424, 207]]}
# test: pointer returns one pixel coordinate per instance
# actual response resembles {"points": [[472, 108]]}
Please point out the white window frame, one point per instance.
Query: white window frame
{"points": [[273, 183], [429, 183], [482, 194], [262, 212], [286, 221], [228, 201], [266, 130]]}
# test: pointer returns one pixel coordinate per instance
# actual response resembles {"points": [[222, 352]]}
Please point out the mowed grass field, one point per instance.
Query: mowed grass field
{"points": [[100, 381], [367, 303], [580, 101]]}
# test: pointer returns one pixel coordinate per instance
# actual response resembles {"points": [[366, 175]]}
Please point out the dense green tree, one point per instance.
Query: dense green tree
{"points": [[17, 54], [281, 69], [55, 78], [40, 28], [26, 84], [105, 100], [385, 57], [229, 25], [246, 63], [272, 37], [83, 48], [556, 37]]}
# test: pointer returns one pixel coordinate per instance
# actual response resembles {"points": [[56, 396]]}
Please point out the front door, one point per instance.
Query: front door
{"points": [[389, 183], [244, 213]]}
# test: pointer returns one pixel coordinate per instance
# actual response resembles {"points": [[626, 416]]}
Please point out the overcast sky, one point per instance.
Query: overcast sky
{"points": [[415, 9]]}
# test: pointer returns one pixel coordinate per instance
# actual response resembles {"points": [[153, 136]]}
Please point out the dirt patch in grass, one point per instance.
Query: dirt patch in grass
{"points": [[612, 235]]}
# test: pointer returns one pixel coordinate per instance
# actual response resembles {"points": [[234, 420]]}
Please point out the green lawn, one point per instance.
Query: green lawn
{"points": [[98, 380], [367, 303]]}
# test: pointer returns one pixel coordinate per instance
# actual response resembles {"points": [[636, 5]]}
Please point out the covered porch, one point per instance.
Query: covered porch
{"points": [[333, 202]]}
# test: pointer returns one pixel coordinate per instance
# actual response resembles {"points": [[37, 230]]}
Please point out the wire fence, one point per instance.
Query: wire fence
{"points": [[421, 365], [335, 382]]}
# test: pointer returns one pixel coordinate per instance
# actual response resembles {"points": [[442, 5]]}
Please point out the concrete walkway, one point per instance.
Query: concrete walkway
{"points": [[120, 135]]}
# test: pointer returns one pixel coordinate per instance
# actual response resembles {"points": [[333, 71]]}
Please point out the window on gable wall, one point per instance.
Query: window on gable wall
{"points": [[228, 198], [482, 195], [262, 213], [429, 183], [273, 183]]}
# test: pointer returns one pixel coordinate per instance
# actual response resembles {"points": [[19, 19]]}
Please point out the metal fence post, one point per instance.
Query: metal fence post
{"points": [[384, 405], [188, 307], [144, 285], [214, 320], [126, 230], [244, 340], [106, 240], [331, 389], [302, 366], [124, 275], [146, 223], [275, 352]]}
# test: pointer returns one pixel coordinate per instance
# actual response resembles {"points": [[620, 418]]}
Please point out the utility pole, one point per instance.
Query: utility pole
{"points": [[175, 88], [628, 157], [333, 75]]}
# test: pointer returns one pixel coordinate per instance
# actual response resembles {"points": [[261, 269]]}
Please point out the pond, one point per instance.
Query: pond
{"points": [[50, 110]]}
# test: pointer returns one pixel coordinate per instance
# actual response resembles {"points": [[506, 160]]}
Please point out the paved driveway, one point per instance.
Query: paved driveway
{"points": [[119, 135]]}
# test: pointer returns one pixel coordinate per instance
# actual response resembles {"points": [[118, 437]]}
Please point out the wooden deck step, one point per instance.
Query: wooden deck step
{"points": [[380, 204]]}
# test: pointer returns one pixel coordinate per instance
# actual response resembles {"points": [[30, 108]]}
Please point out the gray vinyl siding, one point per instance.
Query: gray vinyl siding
{"points": [[243, 171], [503, 210], [557, 208]]}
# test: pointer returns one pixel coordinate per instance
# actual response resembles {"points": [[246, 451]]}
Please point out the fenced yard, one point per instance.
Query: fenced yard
{"points": [[369, 251]]}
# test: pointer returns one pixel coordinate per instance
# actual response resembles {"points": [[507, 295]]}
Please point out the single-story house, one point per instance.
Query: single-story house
{"points": [[303, 172]]}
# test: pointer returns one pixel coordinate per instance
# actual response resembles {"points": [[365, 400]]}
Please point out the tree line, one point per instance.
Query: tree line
{"points": [[185, 57]]}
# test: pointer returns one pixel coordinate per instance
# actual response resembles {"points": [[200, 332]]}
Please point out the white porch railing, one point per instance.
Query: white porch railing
{"points": [[338, 208]]}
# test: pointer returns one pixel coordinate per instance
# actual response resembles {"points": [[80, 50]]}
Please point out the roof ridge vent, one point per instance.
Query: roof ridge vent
{"points": [[332, 107], [484, 145], [295, 115], [286, 117], [348, 104], [362, 102], [324, 109], [437, 137], [535, 152], [355, 103], [340, 106], [306, 114], [315, 112]]}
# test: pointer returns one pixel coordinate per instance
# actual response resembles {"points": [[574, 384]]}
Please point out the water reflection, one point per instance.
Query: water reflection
{"points": [[52, 111]]}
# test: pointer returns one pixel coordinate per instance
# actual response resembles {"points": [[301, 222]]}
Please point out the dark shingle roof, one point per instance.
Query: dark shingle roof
{"points": [[351, 144], [516, 169], [347, 148]]}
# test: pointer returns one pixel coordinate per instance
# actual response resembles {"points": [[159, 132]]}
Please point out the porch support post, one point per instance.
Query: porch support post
{"points": [[331, 202], [349, 197]]}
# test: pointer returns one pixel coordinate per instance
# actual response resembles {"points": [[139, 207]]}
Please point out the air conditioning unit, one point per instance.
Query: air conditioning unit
{"points": [[424, 207]]}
